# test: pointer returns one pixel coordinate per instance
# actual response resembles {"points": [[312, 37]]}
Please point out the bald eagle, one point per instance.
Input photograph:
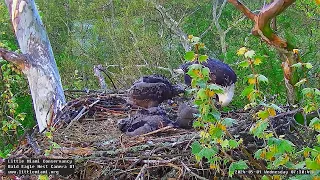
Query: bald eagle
{"points": [[150, 91], [220, 74]]}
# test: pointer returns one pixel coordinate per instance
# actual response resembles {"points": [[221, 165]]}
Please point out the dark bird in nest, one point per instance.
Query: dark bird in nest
{"points": [[150, 91], [220, 74], [151, 119], [185, 116], [145, 121]]}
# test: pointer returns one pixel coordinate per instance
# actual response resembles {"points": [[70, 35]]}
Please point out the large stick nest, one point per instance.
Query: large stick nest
{"points": [[87, 131]]}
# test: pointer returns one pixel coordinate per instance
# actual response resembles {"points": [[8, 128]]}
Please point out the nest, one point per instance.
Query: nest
{"points": [[87, 131]]}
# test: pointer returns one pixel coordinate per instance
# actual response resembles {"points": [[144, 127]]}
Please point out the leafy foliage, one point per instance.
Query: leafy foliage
{"points": [[213, 129], [16, 112]]}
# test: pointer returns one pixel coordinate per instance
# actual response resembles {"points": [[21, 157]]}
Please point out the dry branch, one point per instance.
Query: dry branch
{"points": [[141, 173], [18, 59], [166, 152], [263, 19]]}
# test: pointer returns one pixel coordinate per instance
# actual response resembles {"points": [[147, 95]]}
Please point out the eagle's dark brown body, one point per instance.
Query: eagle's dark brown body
{"points": [[220, 73], [150, 91]]}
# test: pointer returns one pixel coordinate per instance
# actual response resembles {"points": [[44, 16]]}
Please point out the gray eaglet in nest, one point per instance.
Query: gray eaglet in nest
{"points": [[150, 91], [220, 74]]}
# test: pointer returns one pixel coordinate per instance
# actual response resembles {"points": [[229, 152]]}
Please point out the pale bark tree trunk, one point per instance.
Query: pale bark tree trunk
{"points": [[262, 29], [38, 62]]}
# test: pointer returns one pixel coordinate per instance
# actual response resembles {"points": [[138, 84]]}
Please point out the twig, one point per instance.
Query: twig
{"points": [[286, 113], [82, 112], [104, 71], [156, 131], [141, 173], [190, 142], [192, 173], [33, 144], [152, 161], [176, 167]]}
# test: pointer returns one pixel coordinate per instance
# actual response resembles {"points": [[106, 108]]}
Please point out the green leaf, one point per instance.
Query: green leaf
{"points": [[265, 177], [279, 161], [195, 39], [262, 78], [249, 54], [263, 114], [191, 73], [189, 56], [313, 165], [315, 123], [257, 60], [205, 71], [302, 81], [248, 90], [195, 66], [207, 153], [276, 107], [257, 154], [55, 145], [259, 128], [201, 83], [233, 144], [318, 138], [215, 114], [240, 165], [300, 165], [203, 58], [244, 64], [215, 88], [297, 65], [224, 143], [197, 124], [196, 147], [191, 91], [215, 132], [285, 146], [308, 65], [204, 108], [43, 177], [229, 122]]}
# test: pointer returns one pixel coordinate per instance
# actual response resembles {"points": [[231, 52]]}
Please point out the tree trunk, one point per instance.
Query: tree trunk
{"points": [[38, 65]]}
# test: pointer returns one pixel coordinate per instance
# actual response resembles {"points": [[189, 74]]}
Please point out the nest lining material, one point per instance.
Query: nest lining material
{"points": [[87, 132]]}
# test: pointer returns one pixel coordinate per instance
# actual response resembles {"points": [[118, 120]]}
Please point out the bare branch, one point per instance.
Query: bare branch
{"points": [[262, 20], [207, 30], [97, 73], [187, 14], [234, 24], [221, 8], [18, 59], [174, 26], [243, 9]]}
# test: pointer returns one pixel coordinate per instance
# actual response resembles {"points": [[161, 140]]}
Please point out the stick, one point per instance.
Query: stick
{"points": [[141, 173], [156, 131], [192, 173]]}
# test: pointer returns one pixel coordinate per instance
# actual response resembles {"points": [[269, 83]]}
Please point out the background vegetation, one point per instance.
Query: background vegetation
{"points": [[132, 38]]}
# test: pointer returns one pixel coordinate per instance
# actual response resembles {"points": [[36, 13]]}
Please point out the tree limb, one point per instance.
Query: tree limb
{"points": [[18, 59], [243, 9], [263, 19]]}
